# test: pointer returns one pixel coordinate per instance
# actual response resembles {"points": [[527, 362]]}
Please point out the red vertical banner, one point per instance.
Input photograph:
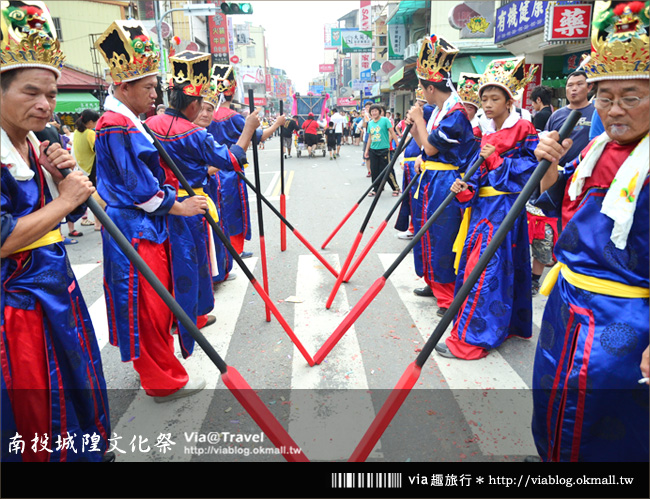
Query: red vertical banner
{"points": [[526, 102], [269, 83], [218, 26], [365, 16]]}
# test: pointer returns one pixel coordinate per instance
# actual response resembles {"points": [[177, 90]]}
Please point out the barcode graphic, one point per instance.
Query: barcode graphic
{"points": [[366, 480]]}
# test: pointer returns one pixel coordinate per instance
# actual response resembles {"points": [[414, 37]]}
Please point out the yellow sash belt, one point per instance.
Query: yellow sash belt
{"points": [[212, 209], [592, 284], [486, 192], [433, 165], [459, 242], [54, 236]]}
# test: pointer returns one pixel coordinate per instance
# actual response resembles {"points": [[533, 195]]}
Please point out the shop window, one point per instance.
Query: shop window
{"points": [[57, 27]]}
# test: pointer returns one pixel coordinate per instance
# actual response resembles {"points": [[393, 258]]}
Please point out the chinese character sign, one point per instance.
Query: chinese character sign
{"points": [[396, 41], [365, 60], [568, 22], [365, 22], [219, 48], [327, 28], [572, 62], [353, 40], [519, 17], [537, 80]]}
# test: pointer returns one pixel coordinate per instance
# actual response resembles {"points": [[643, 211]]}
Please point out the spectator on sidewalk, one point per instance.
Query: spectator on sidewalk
{"points": [[286, 132], [541, 98]]}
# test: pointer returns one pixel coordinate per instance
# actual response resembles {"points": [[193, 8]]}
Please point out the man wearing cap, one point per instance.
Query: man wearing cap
{"points": [[53, 387], [447, 144], [589, 404], [139, 196], [194, 149], [227, 127]]}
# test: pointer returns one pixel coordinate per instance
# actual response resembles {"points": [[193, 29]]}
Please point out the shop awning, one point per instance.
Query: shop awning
{"points": [[554, 83], [75, 102], [404, 78], [405, 12], [473, 63]]}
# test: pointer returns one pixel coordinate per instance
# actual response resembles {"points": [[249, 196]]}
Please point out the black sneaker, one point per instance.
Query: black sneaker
{"points": [[425, 291], [441, 311], [535, 288], [108, 457]]}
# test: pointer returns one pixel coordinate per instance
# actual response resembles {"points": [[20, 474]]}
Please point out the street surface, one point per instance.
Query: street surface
{"points": [[458, 411]]}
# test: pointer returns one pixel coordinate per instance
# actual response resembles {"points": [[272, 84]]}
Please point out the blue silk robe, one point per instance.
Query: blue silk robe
{"points": [[224, 258], [134, 185], [588, 405], [193, 149], [411, 152], [500, 303], [226, 128], [453, 137], [43, 276]]}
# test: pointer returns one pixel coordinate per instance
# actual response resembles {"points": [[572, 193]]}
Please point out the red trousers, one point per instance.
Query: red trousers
{"points": [[161, 373], [444, 293], [30, 378], [237, 242]]}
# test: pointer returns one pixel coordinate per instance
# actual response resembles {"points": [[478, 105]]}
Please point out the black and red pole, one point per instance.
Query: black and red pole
{"points": [[412, 373], [380, 229], [356, 205], [286, 223], [226, 242], [233, 380], [357, 240], [379, 284], [260, 218], [283, 201]]}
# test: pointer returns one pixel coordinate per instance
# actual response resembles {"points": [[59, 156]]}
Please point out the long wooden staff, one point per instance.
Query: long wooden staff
{"points": [[357, 239], [226, 242], [412, 373], [233, 380], [283, 201]]}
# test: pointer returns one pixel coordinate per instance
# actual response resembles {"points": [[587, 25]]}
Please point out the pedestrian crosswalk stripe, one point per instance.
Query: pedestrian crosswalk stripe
{"points": [[147, 419], [82, 269], [99, 318], [488, 391], [339, 384], [272, 184]]}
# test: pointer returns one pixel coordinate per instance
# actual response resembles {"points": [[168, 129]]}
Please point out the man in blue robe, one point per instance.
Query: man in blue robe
{"points": [[588, 402], [54, 400], [194, 149], [227, 127], [139, 198], [447, 143]]}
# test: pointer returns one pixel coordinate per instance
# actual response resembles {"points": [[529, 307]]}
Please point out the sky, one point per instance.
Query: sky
{"points": [[294, 34]]}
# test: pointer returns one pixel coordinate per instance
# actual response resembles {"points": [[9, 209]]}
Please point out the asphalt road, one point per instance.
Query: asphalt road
{"points": [[458, 412]]}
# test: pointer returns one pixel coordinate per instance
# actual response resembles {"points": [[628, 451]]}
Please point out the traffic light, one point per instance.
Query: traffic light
{"points": [[231, 8]]}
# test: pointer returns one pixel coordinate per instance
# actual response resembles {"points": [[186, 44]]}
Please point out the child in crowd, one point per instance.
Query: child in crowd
{"points": [[330, 134]]}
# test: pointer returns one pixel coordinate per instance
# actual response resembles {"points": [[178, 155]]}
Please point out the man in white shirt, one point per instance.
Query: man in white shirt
{"points": [[339, 122]]}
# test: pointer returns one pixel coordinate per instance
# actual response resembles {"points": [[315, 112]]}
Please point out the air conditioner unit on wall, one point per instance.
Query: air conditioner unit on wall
{"points": [[411, 51]]}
